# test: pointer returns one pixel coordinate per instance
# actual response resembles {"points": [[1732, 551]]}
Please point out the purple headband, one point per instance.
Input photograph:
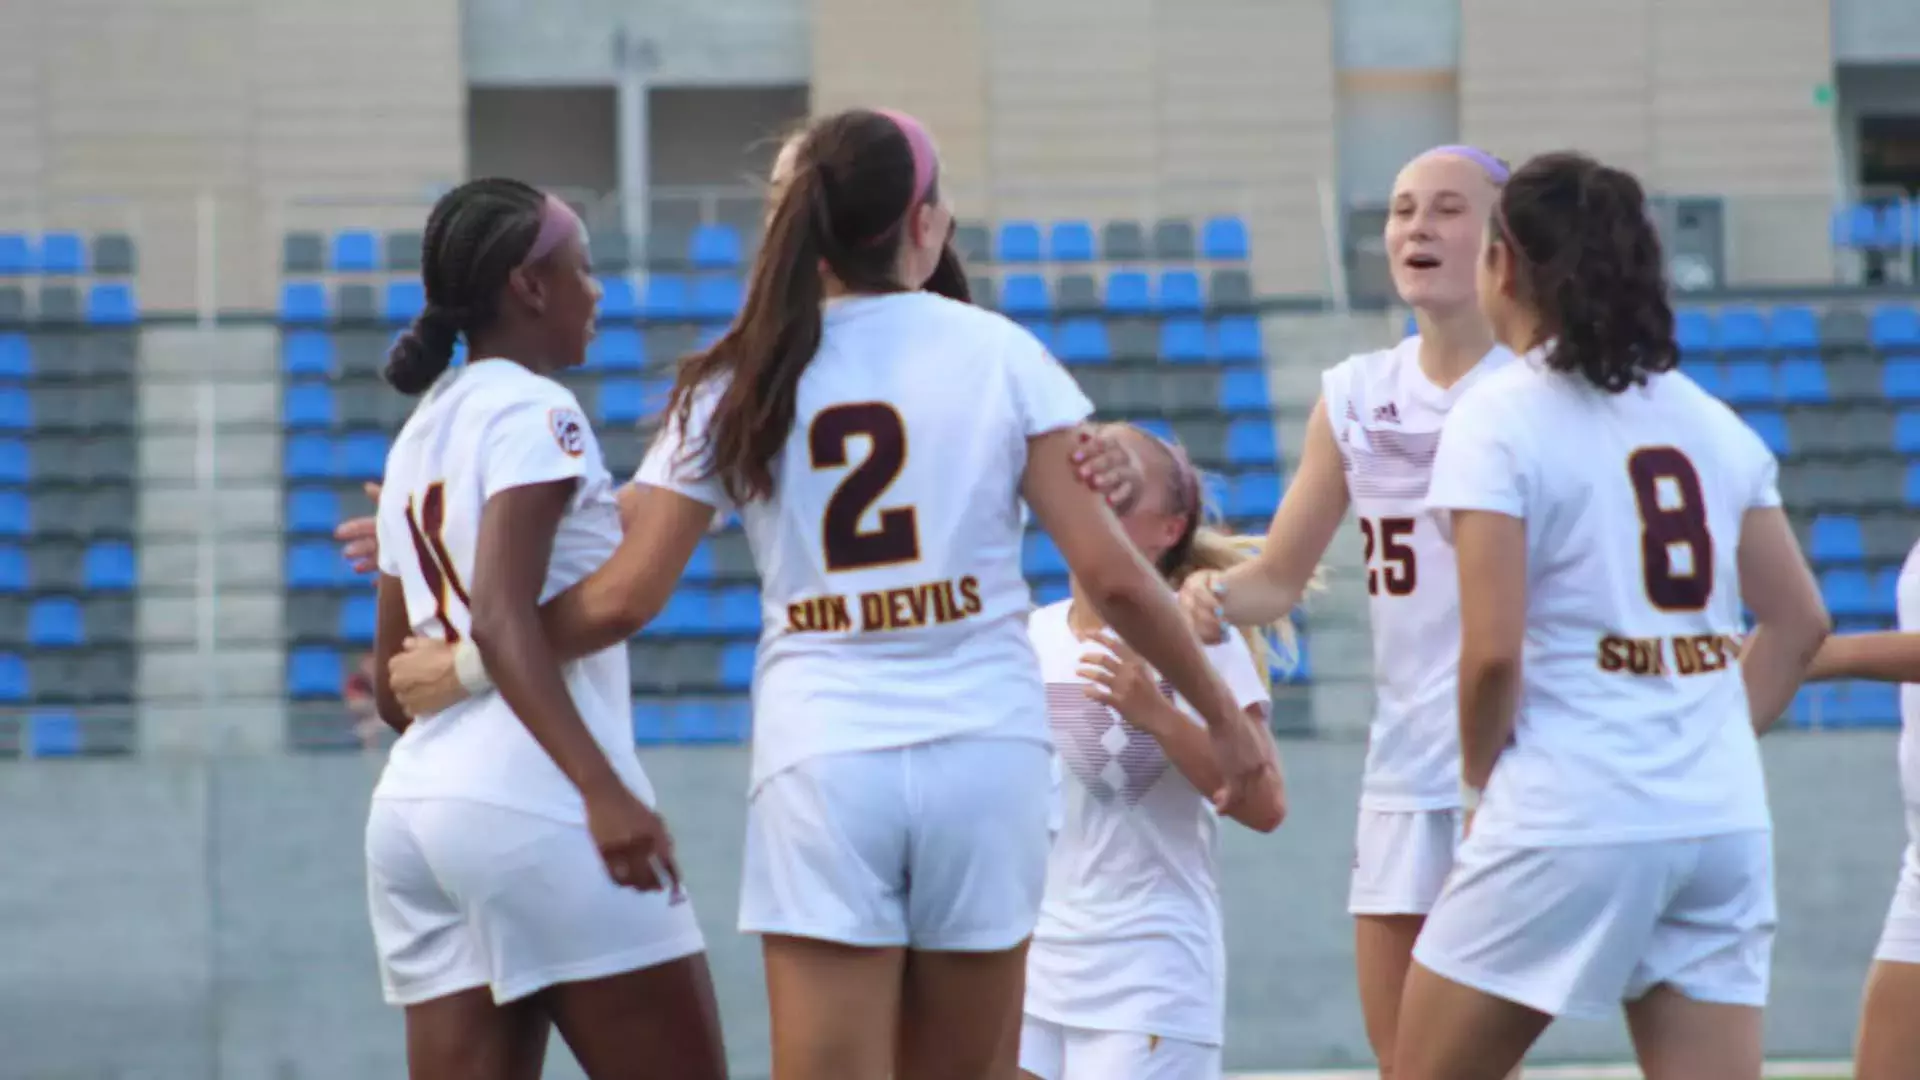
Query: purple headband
{"points": [[1495, 169], [557, 222], [924, 158]]}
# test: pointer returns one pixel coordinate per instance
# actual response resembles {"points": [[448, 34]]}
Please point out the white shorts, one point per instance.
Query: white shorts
{"points": [[939, 846], [1400, 860], [1576, 931], [466, 894], [1900, 938], [1052, 1051]]}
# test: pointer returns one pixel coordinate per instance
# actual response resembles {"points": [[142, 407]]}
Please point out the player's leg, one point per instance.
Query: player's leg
{"points": [[657, 1023], [465, 1036], [1522, 935], [1696, 998], [824, 884], [1400, 863], [1889, 1043], [978, 863]]}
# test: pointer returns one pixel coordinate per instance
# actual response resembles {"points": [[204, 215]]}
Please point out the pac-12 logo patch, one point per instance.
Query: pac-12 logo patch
{"points": [[569, 430]]}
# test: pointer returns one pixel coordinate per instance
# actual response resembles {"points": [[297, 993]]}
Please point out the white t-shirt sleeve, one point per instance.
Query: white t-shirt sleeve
{"points": [[1766, 483], [1232, 659], [536, 442], [668, 463], [1046, 396], [1480, 464]]}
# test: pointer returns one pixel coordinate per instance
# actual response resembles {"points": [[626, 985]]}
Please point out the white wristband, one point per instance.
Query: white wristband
{"points": [[470, 669], [1469, 797]]}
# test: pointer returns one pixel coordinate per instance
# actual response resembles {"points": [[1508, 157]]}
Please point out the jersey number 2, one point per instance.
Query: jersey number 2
{"points": [[845, 544], [1678, 521], [1396, 568], [435, 564]]}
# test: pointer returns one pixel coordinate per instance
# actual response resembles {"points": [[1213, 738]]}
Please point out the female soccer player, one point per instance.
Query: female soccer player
{"points": [[1370, 444], [1609, 518], [517, 873], [1126, 977], [897, 826]]}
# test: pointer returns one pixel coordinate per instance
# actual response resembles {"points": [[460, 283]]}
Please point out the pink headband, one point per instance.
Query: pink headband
{"points": [[557, 222], [925, 160], [1495, 169]]}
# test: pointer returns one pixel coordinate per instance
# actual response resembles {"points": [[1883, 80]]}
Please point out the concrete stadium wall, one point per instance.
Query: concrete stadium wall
{"points": [[163, 919]]}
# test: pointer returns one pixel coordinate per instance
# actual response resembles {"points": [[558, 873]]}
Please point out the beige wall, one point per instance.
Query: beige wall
{"points": [[124, 113]]}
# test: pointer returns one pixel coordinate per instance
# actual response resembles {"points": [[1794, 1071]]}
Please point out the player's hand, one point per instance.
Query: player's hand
{"points": [[1250, 775], [1200, 599], [359, 541], [1108, 467], [1119, 679], [632, 839], [423, 677]]}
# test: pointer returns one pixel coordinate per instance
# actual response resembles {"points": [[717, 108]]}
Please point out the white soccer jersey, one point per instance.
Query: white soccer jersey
{"points": [[892, 604], [1908, 592], [1130, 935], [1386, 417], [1633, 720], [483, 429]]}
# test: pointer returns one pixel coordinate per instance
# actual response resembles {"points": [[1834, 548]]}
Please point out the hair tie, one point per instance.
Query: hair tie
{"points": [[1496, 170]]}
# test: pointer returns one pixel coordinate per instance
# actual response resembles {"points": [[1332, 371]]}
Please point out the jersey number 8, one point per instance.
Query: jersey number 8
{"points": [[435, 564], [1680, 520], [845, 545]]}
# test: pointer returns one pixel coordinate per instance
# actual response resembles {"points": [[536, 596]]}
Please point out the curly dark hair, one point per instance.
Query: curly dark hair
{"points": [[1588, 260]]}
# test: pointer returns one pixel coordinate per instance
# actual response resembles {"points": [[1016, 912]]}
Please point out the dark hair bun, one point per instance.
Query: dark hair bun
{"points": [[423, 352]]}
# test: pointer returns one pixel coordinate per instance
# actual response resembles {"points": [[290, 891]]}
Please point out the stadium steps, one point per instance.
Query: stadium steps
{"points": [[243, 514]]}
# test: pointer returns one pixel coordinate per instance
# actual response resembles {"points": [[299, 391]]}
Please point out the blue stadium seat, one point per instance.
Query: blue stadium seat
{"points": [[1900, 378], [737, 612], [1709, 375], [622, 401], [1040, 557], [1051, 591], [308, 457], [702, 721], [110, 566], [1856, 226], [717, 298], [1237, 339], [1848, 591], [1025, 295], [13, 569], [62, 253], [54, 623], [667, 298], [358, 614], [617, 348], [312, 510], [1748, 382], [1794, 328], [714, 247], [1128, 293], [685, 610], [355, 251], [303, 302], [1083, 341], [617, 298], [1836, 538], [1741, 329], [1870, 705], [51, 733], [403, 301], [1041, 329], [700, 566], [16, 409], [362, 456], [736, 666], [1180, 293], [13, 678], [1906, 432], [1886, 591], [1244, 391], [1183, 341], [16, 356], [309, 405], [1910, 490], [1018, 242], [650, 721], [1251, 443], [1224, 238], [1071, 241], [111, 303], [1298, 668], [306, 352], [316, 564], [313, 672], [15, 466], [1693, 330], [1253, 495], [1895, 326], [1771, 427], [16, 518], [17, 255], [1803, 381]]}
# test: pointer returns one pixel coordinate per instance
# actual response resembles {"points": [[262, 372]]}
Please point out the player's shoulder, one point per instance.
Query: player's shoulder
{"points": [[1377, 365]]}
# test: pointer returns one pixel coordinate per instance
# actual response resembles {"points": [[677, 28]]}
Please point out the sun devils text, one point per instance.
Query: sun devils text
{"points": [[929, 604]]}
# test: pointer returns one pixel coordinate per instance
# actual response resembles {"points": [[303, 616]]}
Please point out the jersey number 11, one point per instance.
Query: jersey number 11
{"points": [[435, 564]]}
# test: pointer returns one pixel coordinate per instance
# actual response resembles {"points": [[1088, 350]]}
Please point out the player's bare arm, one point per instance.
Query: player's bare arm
{"points": [[1791, 620]]}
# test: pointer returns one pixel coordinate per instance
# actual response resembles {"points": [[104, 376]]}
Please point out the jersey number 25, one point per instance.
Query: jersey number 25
{"points": [[844, 543], [1389, 558], [1673, 515]]}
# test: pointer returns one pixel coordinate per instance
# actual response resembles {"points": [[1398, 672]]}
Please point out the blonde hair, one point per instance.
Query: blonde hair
{"points": [[1204, 545]]}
